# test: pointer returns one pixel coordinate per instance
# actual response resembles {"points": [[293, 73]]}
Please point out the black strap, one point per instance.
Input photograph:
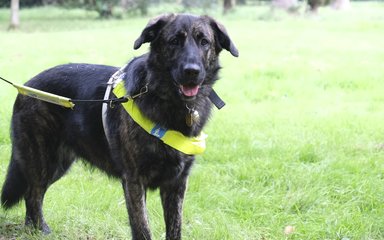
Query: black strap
{"points": [[216, 100], [110, 101], [5, 80]]}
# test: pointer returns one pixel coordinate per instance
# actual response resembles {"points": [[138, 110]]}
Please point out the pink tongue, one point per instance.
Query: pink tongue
{"points": [[189, 91]]}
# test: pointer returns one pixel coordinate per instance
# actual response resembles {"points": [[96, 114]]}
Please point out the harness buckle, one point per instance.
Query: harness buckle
{"points": [[111, 104], [143, 90]]}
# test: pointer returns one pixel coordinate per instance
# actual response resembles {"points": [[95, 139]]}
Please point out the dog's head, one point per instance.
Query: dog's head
{"points": [[185, 48]]}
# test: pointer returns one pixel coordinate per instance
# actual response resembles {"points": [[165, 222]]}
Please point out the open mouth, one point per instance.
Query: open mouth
{"points": [[189, 90]]}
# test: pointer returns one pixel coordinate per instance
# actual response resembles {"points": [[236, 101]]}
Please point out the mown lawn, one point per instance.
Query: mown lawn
{"points": [[300, 142]]}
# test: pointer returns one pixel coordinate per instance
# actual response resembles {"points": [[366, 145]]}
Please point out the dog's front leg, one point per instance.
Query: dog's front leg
{"points": [[135, 195], [172, 196]]}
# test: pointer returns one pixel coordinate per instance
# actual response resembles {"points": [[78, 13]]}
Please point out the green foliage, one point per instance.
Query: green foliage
{"points": [[103, 7], [23, 3], [300, 142], [188, 4]]}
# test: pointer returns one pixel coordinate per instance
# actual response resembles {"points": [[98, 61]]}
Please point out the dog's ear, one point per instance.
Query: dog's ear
{"points": [[222, 38], [152, 29]]}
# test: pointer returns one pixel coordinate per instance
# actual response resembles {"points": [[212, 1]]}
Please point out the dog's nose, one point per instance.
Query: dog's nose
{"points": [[191, 70]]}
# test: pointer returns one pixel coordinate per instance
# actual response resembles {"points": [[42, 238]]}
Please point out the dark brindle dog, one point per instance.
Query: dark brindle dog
{"points": [[180, 69]]}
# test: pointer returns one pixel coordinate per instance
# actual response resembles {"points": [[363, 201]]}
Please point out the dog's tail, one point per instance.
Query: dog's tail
{"points": [[14, 187]]}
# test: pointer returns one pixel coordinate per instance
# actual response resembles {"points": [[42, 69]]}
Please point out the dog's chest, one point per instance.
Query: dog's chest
{"points": [[157, 163]]}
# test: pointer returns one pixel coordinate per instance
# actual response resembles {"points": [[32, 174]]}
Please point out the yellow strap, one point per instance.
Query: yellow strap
{"points": [[44, 96], [175, 139]]}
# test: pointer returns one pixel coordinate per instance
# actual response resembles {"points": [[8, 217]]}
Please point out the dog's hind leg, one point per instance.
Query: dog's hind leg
{"points": [[26, 167], [22, 181], [135, 197], [15, 187], [34, 213], [49, 168]]}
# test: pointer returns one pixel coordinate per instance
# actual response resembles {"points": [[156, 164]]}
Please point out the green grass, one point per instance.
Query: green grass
{"points": [[300, 142]]}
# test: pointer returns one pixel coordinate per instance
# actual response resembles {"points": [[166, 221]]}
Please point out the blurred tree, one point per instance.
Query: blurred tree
{"points": [[49, 2], [313, 5], [205, 4], [126, 4], [143, 6], [341, 4], [186, 4], [103, 7], [133, 5], [288, 5], [15, 19], [228, 5]]}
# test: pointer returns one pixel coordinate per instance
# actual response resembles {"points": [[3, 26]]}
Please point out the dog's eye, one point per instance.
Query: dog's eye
{"points": [[174, 41], [204, 42]]}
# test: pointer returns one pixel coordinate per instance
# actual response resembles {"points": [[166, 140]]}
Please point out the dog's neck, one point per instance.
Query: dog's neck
{"points": [[172, 114], [162, 103]]}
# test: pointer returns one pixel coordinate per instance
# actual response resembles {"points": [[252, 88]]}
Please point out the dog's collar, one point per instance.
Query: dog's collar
{"points": [[216, 100], [174, 139]]}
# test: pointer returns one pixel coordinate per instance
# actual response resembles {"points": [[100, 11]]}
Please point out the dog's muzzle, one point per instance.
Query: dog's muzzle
{"points": [[192, 78]]}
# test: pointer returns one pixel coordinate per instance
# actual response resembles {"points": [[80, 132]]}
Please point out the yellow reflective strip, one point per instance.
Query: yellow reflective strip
{"points": [[133, 110], [44, 96], [119, 90], [137, 116], [175, 139]]}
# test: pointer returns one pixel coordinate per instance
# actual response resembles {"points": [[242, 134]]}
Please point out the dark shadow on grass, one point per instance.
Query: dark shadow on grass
{"points": [[12, 228]]}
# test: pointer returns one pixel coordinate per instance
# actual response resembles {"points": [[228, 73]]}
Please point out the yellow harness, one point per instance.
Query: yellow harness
{"points": [[175, 139]]}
